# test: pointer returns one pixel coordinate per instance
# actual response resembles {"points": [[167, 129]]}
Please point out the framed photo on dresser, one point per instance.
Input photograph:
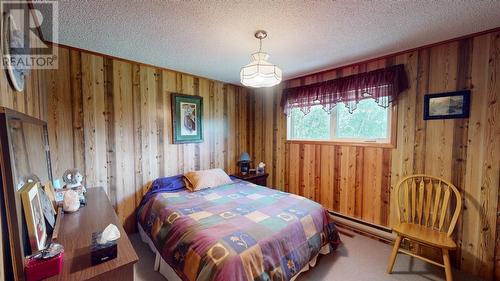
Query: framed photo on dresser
{"points": [[34, 216]]}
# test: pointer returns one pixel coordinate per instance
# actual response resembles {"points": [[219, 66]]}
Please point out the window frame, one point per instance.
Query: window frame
{"points": [[390, 142]]}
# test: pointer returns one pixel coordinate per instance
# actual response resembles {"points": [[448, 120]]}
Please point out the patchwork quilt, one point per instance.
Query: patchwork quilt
{"points": [[240, 231]]}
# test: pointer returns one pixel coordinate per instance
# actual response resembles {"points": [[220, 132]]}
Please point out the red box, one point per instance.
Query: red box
{"points": [[38, 269]]}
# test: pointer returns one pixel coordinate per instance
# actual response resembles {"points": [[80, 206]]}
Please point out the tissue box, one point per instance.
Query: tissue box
{"points": [[100, 253], [38, 269]]}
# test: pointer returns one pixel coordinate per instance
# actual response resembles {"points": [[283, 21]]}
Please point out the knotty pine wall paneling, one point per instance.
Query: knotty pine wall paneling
{"points": [[111, 119], [483, 157], [29, 101], [358, 181], [351, 180], [267, 134]]}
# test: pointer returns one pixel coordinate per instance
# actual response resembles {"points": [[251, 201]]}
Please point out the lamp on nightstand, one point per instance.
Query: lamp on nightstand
{"points": [[244, 163]]}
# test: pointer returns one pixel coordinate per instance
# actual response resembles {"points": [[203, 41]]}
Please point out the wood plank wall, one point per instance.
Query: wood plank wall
{"points": [[267, 132], [111, 119], [29, 101], [357, 181], [118, 118]]}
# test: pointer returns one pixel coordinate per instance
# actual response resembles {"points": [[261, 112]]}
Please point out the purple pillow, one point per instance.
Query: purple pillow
{"points": [[166, 184]]}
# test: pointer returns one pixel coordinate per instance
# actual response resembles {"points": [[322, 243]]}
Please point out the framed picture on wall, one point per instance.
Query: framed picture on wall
{"points": [[33, 214], [447, 105], [187, 112]]}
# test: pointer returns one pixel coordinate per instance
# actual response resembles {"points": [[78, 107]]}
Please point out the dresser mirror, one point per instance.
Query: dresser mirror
{"points": [[25, 157]]}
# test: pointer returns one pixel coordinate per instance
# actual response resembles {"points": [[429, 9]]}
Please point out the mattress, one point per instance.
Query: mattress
{"points": [[238, 231]]}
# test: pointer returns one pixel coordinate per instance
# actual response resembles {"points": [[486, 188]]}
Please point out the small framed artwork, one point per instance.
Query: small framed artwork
{"points": [[187, 112], [33, 213], [447, 105]]}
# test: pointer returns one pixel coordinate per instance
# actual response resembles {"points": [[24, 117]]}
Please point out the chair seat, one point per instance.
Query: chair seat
{"points": [[425, 235]]}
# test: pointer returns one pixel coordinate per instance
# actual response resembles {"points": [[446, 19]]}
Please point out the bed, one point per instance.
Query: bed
{"points": [[237, 231]]}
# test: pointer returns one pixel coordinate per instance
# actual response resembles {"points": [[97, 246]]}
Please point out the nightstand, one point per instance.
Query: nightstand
{"points": [[259, 179]]}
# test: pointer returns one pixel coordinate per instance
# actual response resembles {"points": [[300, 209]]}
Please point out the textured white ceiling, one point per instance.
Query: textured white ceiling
{"points": [[215, 38]]}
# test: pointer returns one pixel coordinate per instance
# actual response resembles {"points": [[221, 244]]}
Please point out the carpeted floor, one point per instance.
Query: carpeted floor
{"points": [[358, 259]]}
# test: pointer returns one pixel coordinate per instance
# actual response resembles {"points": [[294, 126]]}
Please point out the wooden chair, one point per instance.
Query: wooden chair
{"points": [[426, 207]]}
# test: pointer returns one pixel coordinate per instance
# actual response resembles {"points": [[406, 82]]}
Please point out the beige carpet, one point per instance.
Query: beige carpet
{"points": [[358, 259]]}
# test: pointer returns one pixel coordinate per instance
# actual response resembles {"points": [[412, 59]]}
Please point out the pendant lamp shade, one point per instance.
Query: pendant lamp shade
{"points": [[260, 72]]}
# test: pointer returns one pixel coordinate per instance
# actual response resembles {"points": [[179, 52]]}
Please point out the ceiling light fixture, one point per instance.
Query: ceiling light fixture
{"points": [[260, 73]]}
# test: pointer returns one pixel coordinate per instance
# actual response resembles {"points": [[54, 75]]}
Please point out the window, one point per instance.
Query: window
{"points": [[368, 123]]}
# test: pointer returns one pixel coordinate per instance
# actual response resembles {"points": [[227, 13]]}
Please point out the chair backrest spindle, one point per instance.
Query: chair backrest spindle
{"points": [[428, 201], [407, 202], [420, 204], [444, 208], [413, 199], [437, 199]]}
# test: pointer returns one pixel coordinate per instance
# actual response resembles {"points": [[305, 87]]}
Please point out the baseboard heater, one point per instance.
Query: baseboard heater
{"points": [[363, 226]]}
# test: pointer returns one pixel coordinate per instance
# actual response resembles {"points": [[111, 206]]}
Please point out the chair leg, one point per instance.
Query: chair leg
{"points": [[394, 253], [447, 265]]}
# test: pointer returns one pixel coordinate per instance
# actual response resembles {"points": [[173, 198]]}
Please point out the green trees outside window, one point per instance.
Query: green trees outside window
{"points": [[369, 122]]}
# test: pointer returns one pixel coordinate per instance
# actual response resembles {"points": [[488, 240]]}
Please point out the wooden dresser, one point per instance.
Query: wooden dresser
{"points": [[75, 235]]}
